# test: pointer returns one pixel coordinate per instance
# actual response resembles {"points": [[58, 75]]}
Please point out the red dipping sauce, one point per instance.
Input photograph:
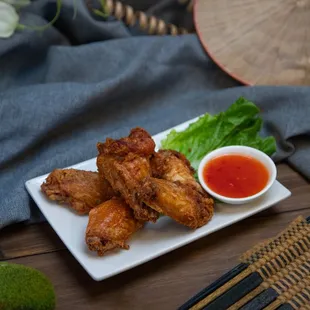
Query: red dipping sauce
{"points": [[235, 176]]}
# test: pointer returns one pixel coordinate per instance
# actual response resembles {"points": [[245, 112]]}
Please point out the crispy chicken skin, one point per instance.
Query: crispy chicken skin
{"points": [[176, 192], [131, 178], [173, 166], [82, 190], [138, 142], [125, 164], [181, 202], [110, 225]]}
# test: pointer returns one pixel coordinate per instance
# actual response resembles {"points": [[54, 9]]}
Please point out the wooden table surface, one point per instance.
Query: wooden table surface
{"points": [[164, 283]]}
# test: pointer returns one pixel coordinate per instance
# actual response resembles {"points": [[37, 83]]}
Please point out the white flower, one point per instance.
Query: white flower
{"points": [[8, 20], [17, 3]]}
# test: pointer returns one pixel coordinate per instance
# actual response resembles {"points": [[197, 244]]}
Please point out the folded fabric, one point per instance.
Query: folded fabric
{"points": [[86, 79]]}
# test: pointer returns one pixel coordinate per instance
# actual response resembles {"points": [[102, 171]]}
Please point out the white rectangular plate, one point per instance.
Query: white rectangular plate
{"points": [[152, 241]]}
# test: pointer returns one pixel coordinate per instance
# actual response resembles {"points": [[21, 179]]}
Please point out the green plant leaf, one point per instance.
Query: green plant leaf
{"points": [[240, 124]]}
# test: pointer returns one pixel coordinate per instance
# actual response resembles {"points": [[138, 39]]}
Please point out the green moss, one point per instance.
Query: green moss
{"points": [[24, 288]]}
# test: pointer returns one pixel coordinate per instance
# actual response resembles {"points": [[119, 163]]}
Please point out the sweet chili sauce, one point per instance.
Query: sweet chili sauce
{"points": [[235, 176]]}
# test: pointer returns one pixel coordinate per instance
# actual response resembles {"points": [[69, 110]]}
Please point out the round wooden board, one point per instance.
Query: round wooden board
{"points": [[258, 42]]}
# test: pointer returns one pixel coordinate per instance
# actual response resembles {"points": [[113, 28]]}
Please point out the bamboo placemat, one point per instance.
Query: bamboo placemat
{"points": [[274, 274]]}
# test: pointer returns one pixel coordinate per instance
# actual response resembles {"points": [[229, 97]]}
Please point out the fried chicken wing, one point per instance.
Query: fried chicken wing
{"points": [[82, 190], [110, 225], [177, 193], [131, 178], [181, 202], [138, 142], [173, 166], [128, 170]]}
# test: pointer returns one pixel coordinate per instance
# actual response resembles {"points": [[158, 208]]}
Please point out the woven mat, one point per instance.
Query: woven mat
{"points": [[274, 274]]}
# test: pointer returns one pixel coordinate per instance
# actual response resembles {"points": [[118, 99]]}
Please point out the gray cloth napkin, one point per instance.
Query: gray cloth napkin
{"points": [[86, 79]]}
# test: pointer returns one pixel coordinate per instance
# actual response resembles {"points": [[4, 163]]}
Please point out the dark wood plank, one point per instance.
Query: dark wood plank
{"points": [[299, 187], [21, 240], [164, 283]]}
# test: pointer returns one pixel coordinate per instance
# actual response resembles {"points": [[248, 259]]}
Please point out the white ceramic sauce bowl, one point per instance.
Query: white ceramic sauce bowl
{"points": [[239, 150]]}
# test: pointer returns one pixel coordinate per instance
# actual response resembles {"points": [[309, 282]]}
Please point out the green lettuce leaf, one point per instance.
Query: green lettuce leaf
{"points": [[240, 124]]}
